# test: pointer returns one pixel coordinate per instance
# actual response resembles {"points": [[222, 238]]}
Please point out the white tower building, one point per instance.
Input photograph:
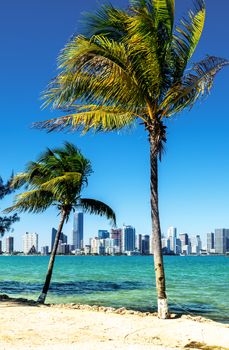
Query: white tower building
{"points": [[172, 236], [30, 242]]}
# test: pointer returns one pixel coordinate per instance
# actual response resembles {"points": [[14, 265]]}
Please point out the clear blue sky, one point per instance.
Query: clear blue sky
{"points": [[194, 173]]}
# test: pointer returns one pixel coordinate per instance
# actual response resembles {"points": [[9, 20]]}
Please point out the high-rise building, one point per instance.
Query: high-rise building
{"points": [[145, 244], [63, 248], [210, 242], [165, 245], [128, 240], [172, 236], [87, 249], [45, 250], [77, 236], [109, 246], [186, 249], [103, 234], [196, 244], [63, 238], [139, 243], [95, 245], [30, 243], [9, 245], [221, 241], [116, 235], [184, 242], [178, 246]]}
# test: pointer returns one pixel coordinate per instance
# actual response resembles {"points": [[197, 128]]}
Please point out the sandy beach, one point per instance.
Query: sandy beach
{"points": [[25, 326]]}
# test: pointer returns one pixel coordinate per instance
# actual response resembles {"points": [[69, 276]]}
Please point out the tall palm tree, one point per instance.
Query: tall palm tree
{"points": [[57, 178], [131, 66]]}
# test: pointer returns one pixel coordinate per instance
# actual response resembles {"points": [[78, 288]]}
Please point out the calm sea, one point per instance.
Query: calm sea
{"points": [[196, 285]]}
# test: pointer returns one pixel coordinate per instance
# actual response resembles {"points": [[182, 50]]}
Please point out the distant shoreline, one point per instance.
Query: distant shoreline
{"points": [[98, 255]]}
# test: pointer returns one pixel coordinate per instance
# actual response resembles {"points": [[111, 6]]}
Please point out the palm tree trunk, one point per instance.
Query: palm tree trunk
{"points": [[42, 296], [156, 231]]}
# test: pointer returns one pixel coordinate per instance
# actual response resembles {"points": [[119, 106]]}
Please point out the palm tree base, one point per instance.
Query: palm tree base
{"points": [[163, 310], [41, 298]]}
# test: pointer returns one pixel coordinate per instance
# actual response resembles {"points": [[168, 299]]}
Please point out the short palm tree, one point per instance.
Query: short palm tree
{"points": [[131, 66], [57, 178]]}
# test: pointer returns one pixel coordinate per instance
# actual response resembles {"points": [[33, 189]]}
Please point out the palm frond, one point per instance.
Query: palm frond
{"points": [[164, 16], [149, 33], [108, 21], [74, 161], [195, 84], [6, 223], [98, 118], [187, 37], [96, 71], [19, 180], [35, 201], [93, 206], [59, 185]]}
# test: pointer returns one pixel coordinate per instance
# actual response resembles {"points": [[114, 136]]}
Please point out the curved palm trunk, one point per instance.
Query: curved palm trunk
{"points": [[156, 231], [45, 289]]}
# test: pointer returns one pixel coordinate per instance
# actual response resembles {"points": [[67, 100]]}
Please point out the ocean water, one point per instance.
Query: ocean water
{"points": [[195, 285]]}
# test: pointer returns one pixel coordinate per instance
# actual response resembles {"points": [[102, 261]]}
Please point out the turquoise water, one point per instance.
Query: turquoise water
{"points": [[198, 285]]}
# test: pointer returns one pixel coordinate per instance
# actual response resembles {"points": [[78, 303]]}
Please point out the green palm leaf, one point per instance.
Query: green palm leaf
{"points": [[188, 35], [108, 21], [19, 180], [93, 206], [164, 15], [95, 70], [59, 186], [34, 201], [102, 119], [195, 84]]}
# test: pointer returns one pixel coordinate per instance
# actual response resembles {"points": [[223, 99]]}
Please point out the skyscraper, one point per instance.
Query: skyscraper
{"points": [[184, 243], [221, 240], [210, 242], [145, 244], [63, 238], [196, 244], [9, 245], [172, 236], [103, 234], [116, 235], [128, 240], [95, 245], [139, 243], [77, 236], [45, 250], [165, 244], [30, 243]]}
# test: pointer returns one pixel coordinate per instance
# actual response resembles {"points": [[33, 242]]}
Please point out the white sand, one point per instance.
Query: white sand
{"points": [[25, 327]]}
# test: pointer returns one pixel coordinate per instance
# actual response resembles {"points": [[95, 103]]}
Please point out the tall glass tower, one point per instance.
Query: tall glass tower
{"points": [[128, 239], [77, 234], [221, 240]]}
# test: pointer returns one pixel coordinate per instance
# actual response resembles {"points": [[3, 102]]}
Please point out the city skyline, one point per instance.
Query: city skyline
{"points": [[124, 240], [67, 235], [193, 174]]}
